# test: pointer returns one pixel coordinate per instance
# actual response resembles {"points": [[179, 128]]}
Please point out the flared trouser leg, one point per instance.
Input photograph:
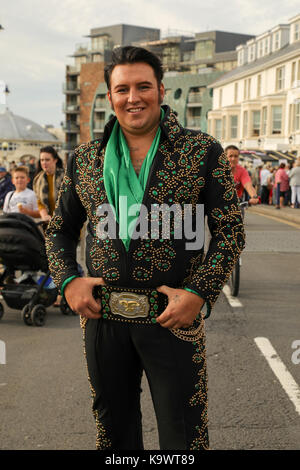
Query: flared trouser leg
{"points": [[117, 353]]}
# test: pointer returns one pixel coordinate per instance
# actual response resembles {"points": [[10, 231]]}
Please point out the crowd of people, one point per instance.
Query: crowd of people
{"points": [[277, 185], [32, 189]]}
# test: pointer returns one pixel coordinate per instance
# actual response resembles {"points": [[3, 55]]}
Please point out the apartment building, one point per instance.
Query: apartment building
{"points": [[198, 53], [257, 104]]}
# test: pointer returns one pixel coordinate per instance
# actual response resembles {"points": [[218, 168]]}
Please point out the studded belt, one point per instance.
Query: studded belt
{"points": [[128, 304]]}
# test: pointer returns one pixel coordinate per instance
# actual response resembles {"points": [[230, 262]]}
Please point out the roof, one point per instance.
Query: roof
{"points": [[15, 127], [256, 64]]}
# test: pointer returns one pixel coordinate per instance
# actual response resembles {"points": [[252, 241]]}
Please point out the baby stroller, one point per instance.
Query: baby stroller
{"points": [[25, 281]]}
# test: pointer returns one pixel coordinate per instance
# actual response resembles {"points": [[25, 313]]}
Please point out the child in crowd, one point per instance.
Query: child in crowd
{"points": [[22, 199]]}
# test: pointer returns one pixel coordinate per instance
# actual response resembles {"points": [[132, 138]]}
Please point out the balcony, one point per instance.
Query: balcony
{"points": [[194, 122], [195, 99], [81, 49], [70, 108], [71, 88], [72, 70], [100, 105], [71, 127], [99, 125], [68, 146]]}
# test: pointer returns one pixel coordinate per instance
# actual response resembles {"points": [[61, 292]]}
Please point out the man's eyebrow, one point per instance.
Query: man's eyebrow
{"points": [[121, 85]]}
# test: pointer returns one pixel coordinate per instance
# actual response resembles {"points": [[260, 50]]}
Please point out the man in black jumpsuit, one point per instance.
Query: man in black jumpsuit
{"points": [[141, 304]]}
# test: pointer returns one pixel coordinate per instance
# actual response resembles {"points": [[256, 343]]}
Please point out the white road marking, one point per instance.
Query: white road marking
{"points": [[283, 375], [233, 301]]}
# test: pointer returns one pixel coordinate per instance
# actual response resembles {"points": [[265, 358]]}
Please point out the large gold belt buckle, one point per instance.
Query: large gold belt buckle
{"points": [[129, 305]]}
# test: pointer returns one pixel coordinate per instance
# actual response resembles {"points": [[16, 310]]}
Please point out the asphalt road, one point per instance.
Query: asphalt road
{"points": [[44, 393]]}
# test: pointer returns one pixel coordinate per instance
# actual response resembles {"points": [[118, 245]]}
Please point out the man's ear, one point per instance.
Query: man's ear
{"points": [[161, 92], [110, 100]]}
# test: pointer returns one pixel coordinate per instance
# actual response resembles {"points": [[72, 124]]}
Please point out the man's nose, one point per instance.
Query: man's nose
{"points": [[133, 96]]}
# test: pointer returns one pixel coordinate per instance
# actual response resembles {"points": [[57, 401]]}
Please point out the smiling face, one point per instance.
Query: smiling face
{"points": [[135, 96], [20, 180], [48, 163]]}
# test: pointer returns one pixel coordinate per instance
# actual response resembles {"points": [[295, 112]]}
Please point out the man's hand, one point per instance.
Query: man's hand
{"points": [[253, 200], [79, 295], [182, 309]]}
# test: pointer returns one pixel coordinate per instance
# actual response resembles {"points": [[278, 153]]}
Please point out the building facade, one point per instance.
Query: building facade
{"points": [[190, 63], [22, 139], [257, 104], [198, 53]]}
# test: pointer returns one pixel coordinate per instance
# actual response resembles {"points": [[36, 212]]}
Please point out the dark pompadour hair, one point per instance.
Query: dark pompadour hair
{"points": [[132, 55]]}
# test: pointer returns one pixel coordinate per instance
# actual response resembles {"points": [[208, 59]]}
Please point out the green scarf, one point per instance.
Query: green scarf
{"points": [[123, 187]]}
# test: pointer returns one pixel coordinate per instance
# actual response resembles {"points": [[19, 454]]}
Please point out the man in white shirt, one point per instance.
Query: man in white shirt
{"points": [[265, 181], [22, 199]]}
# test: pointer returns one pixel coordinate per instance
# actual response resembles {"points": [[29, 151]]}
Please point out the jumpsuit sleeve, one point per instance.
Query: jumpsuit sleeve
{"points": [[63, 232], [226, 228]]}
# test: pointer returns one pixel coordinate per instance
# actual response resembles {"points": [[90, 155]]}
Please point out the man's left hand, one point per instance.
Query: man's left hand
{"points": [[182, 309], [253, 200]]}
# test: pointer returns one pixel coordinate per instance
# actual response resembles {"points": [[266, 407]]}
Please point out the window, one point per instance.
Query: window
{"points": [[296, 31], [218, 129], [204, 49], [233, 127], [252, 53], [240, 57], [293, 73], [276, 41], [266, 46], [259, 85], [255, 123], [245, 124], [261, 48], [177, 93], [276, 119], [280, 73], [247, 88], [264, 120]]}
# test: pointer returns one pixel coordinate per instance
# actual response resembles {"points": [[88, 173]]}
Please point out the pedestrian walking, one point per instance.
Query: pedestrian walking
{"points": [[6, 184], [46, 185], [47, 182], [265, 183], [142, 306], [282, 186], [294, 181], [32, 171]]}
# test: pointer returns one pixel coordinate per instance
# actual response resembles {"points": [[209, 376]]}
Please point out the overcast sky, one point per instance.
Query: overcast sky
{"points": [[39, 36]]}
